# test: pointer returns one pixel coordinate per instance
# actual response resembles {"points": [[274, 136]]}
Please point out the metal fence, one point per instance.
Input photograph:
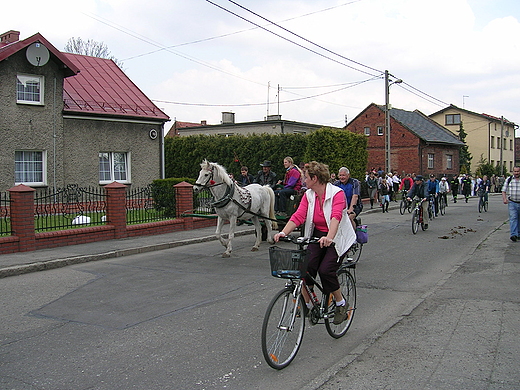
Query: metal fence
{"points": [[202, 202], [69, 207], [5, 221], [149, 204]]}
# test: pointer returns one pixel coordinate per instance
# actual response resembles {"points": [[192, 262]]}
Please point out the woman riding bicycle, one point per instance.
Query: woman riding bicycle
{"points": [[323, 211]]}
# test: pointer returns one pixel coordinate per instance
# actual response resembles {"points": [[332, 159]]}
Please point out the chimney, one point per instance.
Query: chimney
{"points": [[228, 117], [9, 37], [203, 123]]}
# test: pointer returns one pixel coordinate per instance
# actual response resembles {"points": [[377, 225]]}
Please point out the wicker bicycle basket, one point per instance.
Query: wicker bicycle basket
{"points": [[288, 263]]}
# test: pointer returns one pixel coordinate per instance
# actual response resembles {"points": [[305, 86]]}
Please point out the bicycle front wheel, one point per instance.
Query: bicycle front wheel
{"points": [[415, 222], [348, 290], [442, 206], [480, 205], [403, 206], [282, 330], [485, 206]]}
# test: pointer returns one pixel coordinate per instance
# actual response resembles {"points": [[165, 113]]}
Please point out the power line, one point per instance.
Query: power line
{"points": [[305, 39], [287, 39]]}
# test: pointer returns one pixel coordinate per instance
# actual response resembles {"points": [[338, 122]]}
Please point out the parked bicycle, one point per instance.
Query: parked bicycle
{"points": [[284, 321], [482, 201]]}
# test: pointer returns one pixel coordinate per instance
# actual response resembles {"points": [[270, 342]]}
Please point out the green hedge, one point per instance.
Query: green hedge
{"points": [[334, 147]]}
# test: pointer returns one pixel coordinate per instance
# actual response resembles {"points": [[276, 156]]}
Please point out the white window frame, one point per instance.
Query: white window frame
{"points": [[431, 160], [367, 130], [449, 161], [380, 130], [113, 171], [31, 167], [23, 79]]}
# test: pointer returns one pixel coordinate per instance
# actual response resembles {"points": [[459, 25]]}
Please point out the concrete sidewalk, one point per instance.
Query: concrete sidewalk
{"points": [[462, 335]]}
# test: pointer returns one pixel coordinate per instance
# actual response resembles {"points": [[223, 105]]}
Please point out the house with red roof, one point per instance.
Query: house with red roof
{"points": [[73, 119]]}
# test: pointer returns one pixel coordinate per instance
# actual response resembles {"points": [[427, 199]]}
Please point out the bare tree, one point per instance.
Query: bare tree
{"points": [[91, 48]]}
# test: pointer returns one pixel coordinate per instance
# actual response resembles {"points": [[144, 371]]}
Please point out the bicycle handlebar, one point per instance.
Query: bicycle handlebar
{"points": [[301, 240]]}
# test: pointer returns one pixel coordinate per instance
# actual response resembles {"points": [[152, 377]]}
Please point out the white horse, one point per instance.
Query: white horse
{"points": [[233, 202]]}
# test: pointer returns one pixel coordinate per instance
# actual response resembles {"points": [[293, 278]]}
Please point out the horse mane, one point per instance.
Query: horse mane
{"points": [[221, 171]]}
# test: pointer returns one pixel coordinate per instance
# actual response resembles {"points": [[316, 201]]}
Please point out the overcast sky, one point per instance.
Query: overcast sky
{"points": [[196, 58]]}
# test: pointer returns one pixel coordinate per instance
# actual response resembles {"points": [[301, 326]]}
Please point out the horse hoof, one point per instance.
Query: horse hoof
{"points": [[226, 254], [254, 249]]}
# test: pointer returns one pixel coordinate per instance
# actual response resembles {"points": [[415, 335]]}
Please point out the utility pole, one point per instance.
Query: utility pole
{"points": [[501, 145], [387, 124], [388, 83]]}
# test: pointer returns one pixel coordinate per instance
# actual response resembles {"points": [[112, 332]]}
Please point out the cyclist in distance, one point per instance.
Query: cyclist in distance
{"points": [[484, 187], [420, 189], [323, 210], [433, 189]]}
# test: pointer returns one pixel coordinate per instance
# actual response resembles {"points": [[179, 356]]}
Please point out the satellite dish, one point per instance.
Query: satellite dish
{"points": [[37, 54]]}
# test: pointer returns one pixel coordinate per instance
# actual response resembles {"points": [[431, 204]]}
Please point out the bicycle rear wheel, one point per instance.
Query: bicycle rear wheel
{"points": [[281, 337], [415, 222], [348, 290]]}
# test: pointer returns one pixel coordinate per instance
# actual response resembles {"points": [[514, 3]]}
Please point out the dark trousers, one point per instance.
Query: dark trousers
{"points": [[280, 199], [325, 262]]}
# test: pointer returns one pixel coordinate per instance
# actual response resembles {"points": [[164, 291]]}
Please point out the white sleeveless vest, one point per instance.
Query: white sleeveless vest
{"points": [[346, 236]]}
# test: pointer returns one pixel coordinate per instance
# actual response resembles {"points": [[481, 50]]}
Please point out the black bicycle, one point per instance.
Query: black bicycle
{"points": [[405, 204], [482, 201], [284, 321]]}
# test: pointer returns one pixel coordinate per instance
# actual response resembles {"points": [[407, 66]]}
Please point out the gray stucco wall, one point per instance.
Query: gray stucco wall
{"points": [[85, 138], [30, 127]]}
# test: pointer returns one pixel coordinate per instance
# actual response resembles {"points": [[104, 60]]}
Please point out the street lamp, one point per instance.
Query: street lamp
{"points": [[388, 83]]}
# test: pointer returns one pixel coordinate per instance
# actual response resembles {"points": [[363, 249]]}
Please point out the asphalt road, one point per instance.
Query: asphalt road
{"points": [[186, 318]]}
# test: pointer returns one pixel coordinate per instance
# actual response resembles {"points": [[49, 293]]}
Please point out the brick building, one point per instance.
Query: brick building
{"points": [[417, 143]]}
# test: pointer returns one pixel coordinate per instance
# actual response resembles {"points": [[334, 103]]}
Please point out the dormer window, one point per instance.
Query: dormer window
{"points": [[29, 89]]}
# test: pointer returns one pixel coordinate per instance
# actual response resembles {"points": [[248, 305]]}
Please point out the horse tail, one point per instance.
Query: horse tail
{"points": [[272, 215]]}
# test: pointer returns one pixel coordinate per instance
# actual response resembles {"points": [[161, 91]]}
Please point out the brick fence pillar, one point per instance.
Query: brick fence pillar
{"points": [[184, 202], [116, 208], [22, 216]]}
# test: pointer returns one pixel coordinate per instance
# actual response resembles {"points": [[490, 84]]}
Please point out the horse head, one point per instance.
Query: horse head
{"points": [[205, 176], [211, 174]]}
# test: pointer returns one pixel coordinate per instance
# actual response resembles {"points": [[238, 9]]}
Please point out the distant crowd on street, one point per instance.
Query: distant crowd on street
{"points": [[385, 187]]}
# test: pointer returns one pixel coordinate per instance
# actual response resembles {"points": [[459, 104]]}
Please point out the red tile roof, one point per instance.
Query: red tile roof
{"points": [[102, 87]]}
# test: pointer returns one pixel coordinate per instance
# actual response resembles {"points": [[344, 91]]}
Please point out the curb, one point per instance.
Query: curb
{"points": [[63, 262]]}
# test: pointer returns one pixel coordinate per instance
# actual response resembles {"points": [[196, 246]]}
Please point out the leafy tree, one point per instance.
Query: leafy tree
{"points": [[484, 168], [91, 48], [338, 148], [464, 154]]}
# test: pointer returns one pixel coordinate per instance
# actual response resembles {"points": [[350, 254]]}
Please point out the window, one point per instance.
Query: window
{"points": [[29, 167], [498, 142], [449, 161], [510, 144], [492, 142], [453, 119], [367, 130], [430, 160], [380, 130], [29, 89], [114, 166]]}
